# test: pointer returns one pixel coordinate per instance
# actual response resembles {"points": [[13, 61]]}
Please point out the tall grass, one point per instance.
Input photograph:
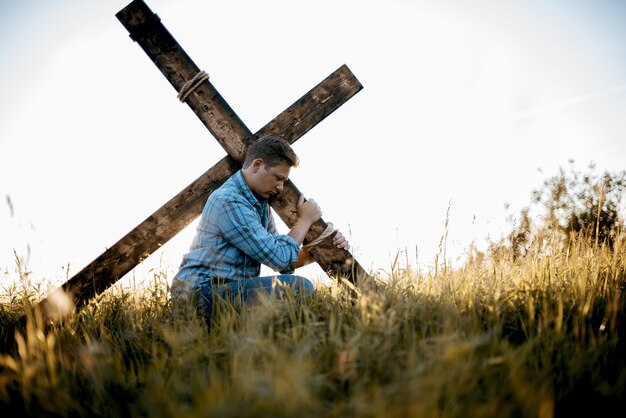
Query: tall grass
{"points": [[540, 336]]}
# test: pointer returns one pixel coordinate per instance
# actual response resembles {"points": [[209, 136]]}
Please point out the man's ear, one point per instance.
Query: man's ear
{"points": [[257, 163]]}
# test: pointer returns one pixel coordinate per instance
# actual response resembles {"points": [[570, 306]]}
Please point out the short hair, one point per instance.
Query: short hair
{"points": [[273, 150]]}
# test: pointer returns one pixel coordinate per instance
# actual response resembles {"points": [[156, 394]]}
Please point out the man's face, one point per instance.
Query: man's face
{"points": [[269, 181]]}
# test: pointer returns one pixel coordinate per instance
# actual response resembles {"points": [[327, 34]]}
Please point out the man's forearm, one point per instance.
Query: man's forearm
{"points": [[298, 232]]}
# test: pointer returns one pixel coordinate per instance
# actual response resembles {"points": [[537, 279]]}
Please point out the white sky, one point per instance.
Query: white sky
{"points": [[461, 105]]}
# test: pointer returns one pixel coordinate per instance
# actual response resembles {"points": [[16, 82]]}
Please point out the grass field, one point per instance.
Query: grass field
{"points": [[539, 336]]}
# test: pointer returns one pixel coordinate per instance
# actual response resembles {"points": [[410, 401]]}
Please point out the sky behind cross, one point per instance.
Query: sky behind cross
{"points": [[463, 102]]}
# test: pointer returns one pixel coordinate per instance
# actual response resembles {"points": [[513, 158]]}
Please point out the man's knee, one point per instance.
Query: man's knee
{"points": [[302, 285], [180, 292], [203, 303]]}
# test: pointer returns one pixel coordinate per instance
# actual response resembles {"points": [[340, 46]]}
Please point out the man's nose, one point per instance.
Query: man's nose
{"points": [[280, 186]]}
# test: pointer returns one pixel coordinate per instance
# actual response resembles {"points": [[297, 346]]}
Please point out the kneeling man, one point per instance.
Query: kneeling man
{"points": [[237, 232]]}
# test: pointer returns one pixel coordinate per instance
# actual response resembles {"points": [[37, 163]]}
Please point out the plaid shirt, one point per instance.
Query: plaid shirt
{"points": [[235, 236]]}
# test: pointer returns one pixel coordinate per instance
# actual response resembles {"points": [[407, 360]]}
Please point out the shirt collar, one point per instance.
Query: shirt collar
{"points": [[241, 184]]}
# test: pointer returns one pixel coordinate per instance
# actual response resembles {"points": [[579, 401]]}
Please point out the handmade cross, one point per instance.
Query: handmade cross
{"points": [[197, 91]]}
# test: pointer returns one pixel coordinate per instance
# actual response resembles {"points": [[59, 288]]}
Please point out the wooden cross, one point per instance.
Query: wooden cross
{"points": [[146, 29]]}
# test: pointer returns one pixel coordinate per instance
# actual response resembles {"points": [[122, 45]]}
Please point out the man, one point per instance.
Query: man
{"points": [[237, 232]]}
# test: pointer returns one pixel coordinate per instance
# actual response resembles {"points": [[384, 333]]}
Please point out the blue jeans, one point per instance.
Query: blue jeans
{"points": [[247, 290]]}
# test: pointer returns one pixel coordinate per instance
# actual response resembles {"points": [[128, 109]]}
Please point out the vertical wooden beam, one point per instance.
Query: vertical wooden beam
{"points": [[147, 30]]}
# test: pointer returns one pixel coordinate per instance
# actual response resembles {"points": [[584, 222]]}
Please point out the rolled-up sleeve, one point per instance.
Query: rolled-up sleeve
{"points": [[240, 225]]}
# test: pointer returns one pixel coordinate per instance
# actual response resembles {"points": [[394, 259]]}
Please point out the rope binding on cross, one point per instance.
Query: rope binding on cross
{"points": [[327, 233], [191, 85]]}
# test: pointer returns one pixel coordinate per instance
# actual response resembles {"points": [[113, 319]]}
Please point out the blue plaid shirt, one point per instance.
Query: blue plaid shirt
{"points": [[235, 236]]}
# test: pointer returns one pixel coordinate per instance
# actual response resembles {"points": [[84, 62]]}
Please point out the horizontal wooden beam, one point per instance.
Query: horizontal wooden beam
{"points": [[187, 205]]}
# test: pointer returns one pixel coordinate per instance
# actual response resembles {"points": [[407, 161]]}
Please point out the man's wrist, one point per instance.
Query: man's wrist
{"points": [[302, 223], [299, 230]]}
